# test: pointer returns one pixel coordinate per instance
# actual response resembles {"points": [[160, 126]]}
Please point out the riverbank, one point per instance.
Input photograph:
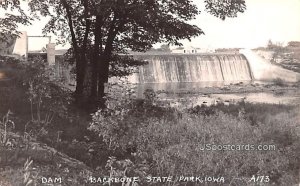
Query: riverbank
{"points": [[276, 92], [272, 87]]}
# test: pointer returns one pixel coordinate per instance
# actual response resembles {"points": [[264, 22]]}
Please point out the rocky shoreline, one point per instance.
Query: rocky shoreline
{"points": [[241, 88]]}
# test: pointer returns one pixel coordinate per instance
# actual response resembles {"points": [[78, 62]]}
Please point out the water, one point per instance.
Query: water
{"points": [[168, 68], [262, 69], [261, 97], [211, 99], [205, 93], [175, 88]]}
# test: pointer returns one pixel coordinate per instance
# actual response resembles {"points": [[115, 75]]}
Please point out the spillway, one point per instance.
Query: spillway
{"points": [[165, 68], [264, 70]]}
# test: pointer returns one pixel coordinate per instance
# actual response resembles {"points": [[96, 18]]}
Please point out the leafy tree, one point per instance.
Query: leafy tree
{"points": [[294, 44], [270, 44], [9, 22], [278, 51], [165, 48], [226, 8]]}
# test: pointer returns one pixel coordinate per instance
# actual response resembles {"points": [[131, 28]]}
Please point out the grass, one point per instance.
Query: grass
{"points": [[31, 160], [172, 145]]}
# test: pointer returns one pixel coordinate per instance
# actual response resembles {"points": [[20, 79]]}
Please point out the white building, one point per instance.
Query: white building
{"points": [[185, 50], [191, 50]]}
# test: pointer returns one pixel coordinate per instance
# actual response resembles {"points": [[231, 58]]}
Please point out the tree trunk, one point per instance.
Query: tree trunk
{"points": [[103, 67], [103, 79], [103, 76], [79, 80], [95, 59], [81, 63], [78, 57], [79, 52]]}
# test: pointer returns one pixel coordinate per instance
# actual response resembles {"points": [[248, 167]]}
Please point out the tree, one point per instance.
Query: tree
{"points": [[223, 9], [165, 48], [98, 30], [295, 44], [278, 51], [270, 44], [9, 22]]}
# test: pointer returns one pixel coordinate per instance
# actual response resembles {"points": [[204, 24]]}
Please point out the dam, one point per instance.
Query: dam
{"points": [[244, 66], [179, 68]]}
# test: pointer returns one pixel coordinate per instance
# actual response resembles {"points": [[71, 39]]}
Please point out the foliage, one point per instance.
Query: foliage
{"points": [[172, 145], [45, 97], [5, 125], [295, 44], [278, 51], [30, 175], [32, 83], [285, 56], [42, 109], [223, 9], [123, 113], [9, 23], [163, 48], [123, 66], [279, 82], [26, 165], [126, 168]]}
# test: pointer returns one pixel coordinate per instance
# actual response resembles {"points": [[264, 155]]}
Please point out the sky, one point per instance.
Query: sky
{"points": [[278, 20]]}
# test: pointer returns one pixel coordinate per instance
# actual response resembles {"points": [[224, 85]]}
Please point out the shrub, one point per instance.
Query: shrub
{"points": [[279, 82]]}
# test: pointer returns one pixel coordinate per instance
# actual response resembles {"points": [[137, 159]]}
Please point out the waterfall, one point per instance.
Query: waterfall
{"points": [[264, 70], [193, 68]]}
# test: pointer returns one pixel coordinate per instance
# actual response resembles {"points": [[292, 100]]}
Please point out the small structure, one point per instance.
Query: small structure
{"points": [[18, 47], [185, 50], [192, 50]]}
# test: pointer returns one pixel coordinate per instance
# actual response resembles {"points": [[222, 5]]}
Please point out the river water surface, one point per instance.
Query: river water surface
{"points": [[192, 92]]}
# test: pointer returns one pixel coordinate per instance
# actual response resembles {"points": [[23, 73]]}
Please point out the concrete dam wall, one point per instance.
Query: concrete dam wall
{"points": [[193, 68]]}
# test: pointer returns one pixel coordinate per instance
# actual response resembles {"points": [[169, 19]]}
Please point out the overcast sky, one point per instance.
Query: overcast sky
{"points": [[278, 20]]}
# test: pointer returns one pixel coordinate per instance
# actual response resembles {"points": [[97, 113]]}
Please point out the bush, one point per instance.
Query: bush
{"points": [[279, 82]]}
